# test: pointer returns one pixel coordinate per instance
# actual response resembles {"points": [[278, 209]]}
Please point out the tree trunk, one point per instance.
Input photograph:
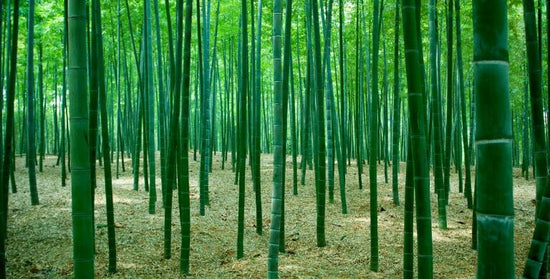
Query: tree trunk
{"points": [[418, 142], [80, 176], [31, 145]]}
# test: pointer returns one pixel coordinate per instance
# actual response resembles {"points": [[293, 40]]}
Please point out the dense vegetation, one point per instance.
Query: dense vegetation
{"points": [[327, 83]]}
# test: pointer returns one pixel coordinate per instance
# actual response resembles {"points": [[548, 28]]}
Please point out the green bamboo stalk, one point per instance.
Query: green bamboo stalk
{"points": [[2, 74], [257, 121], [320, 174], [495, 220], [64, 103], [31, 145], [472, 131], [373, 139], [533, 60], [55, 113], [241, 152], [8, 141], [138, 142], [359, 100], [183, 189], [200, 88], [96, 10], [396, 108], [149, 90], [327, 31], [205, 104], [525, 136], [450, 115], [548, 47], [539, 244], [408, 238], [293, 128], [214, 77], [278, 155], [92, 107], [457, 143], [436, 116], [418, 142], [161, 102], [306, 115], [343, 132], [120, 128], [468, 175], [173, 135], [384, 146], [42, 145], [82, 216], [285, 88]]}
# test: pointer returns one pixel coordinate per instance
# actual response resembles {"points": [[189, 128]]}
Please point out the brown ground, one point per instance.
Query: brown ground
{"points": [[39, 241]]}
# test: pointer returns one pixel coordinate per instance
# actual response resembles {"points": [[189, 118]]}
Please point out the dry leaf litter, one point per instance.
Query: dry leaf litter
{"points": [[39, 243]]}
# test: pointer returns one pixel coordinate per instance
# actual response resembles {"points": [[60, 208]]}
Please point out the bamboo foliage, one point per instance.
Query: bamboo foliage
{"points": [[235, 107]]}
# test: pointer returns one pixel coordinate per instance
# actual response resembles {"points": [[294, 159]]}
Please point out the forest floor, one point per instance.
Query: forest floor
{"points": [[39, 243]]}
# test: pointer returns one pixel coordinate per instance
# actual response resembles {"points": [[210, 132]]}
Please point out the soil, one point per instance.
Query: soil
{"points": [[39, 243]]}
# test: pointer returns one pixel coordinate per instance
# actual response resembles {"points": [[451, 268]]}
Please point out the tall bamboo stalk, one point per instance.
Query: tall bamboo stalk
{"points": [[396, 108], [320, 173], [31, 138], [97, 33], [241, 152], [495, 220], [149, 91], [278, 155], [183, 189], [373, 139], [537, 252], [8, 141], [418, 142], [81, 193]]}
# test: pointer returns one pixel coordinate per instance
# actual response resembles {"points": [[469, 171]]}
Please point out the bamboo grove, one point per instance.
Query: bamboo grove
{"points": [[448, 87]]}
